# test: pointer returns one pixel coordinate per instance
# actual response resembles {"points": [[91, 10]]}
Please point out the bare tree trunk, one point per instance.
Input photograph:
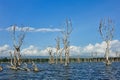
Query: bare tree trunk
{"points": [[56, 56], [68, 59], [107, 53], [57, 48], [61, 61], [15, 59], [66, 34], [106, 29], [11, 61], [51, 58], [19, 58], [78, 59], [17, 43], [65, 59]]}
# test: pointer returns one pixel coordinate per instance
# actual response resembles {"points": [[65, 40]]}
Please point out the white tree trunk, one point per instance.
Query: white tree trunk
{"points": [[65, 59], [56, 56], [61, 59], [107, 53], [11, 61], [50, 59], [68, 57]]}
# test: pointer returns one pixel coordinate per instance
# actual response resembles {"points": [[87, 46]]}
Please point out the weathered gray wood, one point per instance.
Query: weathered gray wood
{"points": [[106, 30], [66, 33]]}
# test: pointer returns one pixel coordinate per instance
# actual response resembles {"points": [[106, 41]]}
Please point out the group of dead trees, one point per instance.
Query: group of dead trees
{"points": [[17, 43], [106, 29], [66, 45], [16, 58], [53, 57]]}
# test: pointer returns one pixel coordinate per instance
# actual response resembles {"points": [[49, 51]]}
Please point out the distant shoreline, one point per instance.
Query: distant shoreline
{"points": [[112, 59]]}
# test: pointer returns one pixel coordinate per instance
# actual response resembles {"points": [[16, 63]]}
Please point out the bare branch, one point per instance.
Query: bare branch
{"points": [[69, 26], [57, 43], [106, 29], [66, 42]]}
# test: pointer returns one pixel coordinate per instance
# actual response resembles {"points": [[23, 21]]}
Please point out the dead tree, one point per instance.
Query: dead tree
{"points": [[116, 52], [51, 57], [1, 68], [92, 56], [11, 61], [57, 48], [17, 43], [78, 59], [66, 33], [106, 29], [60, 52], [35, 68]]}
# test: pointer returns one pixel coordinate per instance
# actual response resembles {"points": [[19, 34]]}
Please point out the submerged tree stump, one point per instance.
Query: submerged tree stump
{"points": [[1, 68]]}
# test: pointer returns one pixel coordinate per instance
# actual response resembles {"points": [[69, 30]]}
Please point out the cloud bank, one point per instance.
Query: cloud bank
{"points": [[98, 48]]}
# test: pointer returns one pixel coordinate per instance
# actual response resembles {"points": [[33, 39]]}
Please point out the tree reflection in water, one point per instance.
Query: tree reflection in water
{"points": [[110, 72]]}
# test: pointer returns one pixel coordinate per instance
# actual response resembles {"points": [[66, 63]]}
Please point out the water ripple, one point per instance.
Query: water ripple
{"points": [[74, 71]]}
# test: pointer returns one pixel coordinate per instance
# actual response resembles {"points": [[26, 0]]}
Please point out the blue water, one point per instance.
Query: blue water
{"points": [[75, 71]]}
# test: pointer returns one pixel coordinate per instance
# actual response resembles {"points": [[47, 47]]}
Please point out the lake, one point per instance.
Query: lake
{"points": [[74, 71]]}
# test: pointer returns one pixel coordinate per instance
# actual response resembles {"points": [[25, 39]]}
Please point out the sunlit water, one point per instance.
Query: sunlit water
{"points": [[75, 71]]}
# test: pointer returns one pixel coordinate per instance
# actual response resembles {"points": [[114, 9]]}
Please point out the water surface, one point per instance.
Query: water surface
{"points": [[74, 71]]}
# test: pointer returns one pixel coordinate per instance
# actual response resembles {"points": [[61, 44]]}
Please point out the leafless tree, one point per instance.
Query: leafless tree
{"points": [[35, 68], [60, 52], [17, 43], [92, 56], [96, 54], [66, 34], [57, 48], [106, 29], [78, 59], [51, 57], [116, 52], [11, 61]]}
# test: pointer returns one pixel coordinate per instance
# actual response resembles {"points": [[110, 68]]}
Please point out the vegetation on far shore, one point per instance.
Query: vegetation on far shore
{"points": [[42, 60]]}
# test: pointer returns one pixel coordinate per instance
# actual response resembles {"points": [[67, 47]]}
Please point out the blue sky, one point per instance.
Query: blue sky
{"points": [[85, 16]]}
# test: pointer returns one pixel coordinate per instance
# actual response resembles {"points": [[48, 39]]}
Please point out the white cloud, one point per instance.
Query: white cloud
{"points": [[31, 50], [74, 50], [48, 30], [31, 29], [100, 48], [44, 52], [88, 48], [35, 51], [115, 45], [4, 50], [12, 28]]}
